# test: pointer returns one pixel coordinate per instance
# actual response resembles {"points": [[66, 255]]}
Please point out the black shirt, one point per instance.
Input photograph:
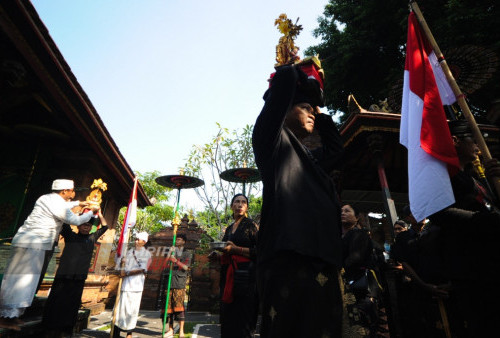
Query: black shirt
{"points": [[75, 259], [179, 275], [358, 253], [300, 210], [244, 236]]}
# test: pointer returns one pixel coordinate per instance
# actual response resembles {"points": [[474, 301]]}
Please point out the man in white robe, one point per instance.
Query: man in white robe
{"points": [[134, 268], [29, 246]]}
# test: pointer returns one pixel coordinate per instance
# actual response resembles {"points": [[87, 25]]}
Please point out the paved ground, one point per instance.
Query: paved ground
{"points": [[149, 324]]}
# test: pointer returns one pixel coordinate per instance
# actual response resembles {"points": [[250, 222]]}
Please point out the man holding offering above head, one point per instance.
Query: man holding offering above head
{"points": [[299, 251], [33, 239], [61, 310]]}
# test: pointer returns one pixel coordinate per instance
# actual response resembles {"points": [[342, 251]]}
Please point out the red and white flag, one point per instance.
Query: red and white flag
{"points": [[129, 220], [424, 129]]}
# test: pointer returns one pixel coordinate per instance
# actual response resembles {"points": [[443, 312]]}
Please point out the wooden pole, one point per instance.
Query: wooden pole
{"points": [[478, 137], [124, 253], [118, 292], [444, 318]]}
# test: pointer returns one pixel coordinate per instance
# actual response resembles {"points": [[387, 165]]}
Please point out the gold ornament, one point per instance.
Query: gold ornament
{"points": [[95, 196], [478, 167], [286, 51]]}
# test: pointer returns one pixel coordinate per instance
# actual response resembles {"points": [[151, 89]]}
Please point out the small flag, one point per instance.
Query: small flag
{"points": [[129, 219], [424, 129]]}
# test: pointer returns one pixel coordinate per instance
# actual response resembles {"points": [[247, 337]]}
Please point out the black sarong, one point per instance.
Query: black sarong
{"points": [[61, 309], [296, 289]]}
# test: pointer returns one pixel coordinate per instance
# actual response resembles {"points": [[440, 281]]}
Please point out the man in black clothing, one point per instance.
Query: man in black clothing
{"points": [[61, 310], [470, 231], [299, 250]]}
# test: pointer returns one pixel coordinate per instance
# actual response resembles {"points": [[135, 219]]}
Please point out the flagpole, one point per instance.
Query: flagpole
{"points": [[175, 224], [444, 318], [478, 137], [118, 294], [122, 251]]}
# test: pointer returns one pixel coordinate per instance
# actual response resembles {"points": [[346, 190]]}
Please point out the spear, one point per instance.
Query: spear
{"points": [[478, 137]]}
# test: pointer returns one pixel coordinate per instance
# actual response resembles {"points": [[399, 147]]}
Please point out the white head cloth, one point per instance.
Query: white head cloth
{"points": [[62, 184], [142, 235]]}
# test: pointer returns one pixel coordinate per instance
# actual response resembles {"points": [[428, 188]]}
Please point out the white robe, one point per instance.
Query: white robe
{"points": [[127, 310], [20, 281]]}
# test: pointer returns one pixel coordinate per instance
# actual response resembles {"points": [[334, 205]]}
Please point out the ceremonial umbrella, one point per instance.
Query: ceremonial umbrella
{"points": [[241, 175], [176, 182]]}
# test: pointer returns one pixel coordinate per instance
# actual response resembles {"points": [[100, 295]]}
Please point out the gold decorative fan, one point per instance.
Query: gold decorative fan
{"points": [[471, 66]]}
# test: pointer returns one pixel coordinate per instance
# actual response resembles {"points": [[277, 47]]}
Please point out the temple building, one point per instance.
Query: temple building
{"points": [[49, 129]]}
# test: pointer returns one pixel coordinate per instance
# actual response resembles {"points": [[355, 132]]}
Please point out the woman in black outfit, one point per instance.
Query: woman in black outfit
{"points": [[239, 303], [361, 299]]}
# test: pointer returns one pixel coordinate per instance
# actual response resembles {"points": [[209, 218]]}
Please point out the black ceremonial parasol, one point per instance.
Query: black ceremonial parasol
{"points": [[176, 182], [241, 175]]}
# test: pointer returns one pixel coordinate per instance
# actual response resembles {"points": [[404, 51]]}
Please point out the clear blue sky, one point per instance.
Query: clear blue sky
{"points": [[161, 73]]}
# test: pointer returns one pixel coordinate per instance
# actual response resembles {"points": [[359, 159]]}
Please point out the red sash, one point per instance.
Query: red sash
{"points": [[227, 296]]}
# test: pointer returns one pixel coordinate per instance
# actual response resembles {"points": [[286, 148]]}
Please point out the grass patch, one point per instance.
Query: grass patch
{"points": [[104, 328], [188, 329]]}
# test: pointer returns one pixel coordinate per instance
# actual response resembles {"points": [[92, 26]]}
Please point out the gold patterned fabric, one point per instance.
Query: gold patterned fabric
{"points": [[300, 290], [362, 317], [176, 301]]}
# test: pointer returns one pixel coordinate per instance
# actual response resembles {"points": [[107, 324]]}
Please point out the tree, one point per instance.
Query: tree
{"points": [[363, 45], [215, 229], [226, 150], [152, 218]]}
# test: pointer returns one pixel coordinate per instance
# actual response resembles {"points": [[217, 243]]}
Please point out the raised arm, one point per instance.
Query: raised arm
{"points": [[332, 149], [278, 100], [62, 211], [103, 221], [66, 230]]}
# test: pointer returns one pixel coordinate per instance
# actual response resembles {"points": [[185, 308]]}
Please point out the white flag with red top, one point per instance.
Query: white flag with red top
{"points": [[129, 220], [424, 130]]}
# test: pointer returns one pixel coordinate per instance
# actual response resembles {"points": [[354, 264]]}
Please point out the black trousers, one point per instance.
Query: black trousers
{"points": [[117, 332]]}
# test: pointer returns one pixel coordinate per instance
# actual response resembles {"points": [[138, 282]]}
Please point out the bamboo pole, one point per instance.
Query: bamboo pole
{"points": [[444, 318], [478, 137]]}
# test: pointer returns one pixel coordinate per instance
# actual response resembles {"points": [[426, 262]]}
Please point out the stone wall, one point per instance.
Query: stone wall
{"points": [[202, 289], [204, 292]]}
